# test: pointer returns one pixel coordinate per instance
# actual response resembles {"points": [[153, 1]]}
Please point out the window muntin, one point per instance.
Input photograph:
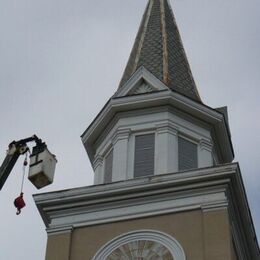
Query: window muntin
{"points": [[144, 155]]}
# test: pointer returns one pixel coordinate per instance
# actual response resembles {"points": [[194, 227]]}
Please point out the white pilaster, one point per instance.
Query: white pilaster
{"points": [[120, 153], [98, 169], [205, 158], [166, 150]]}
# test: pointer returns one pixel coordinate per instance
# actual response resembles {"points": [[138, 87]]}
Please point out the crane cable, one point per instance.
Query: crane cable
{"points": [[19, 201], [25, 163]]}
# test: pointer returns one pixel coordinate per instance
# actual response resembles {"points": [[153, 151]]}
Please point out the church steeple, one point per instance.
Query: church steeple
{"points": [[163, 172], [155, 123], [158, 48]]}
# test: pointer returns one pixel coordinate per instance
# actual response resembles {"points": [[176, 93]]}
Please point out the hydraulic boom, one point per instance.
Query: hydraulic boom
{"points": [[15, 149]]}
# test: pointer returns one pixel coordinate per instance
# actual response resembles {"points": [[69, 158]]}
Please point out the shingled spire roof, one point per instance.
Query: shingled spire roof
{"points": [[158, 48]]}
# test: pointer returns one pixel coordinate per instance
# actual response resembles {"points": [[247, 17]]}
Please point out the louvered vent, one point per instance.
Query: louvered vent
{"points": [[108, 167], [188, 155], [144, 155]]}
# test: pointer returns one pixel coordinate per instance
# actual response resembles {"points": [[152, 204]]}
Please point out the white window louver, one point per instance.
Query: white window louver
{"points": [[144, 155], [108, 167], [188, 154]]}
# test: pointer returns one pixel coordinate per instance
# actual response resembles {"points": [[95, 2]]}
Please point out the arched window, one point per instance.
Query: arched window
{"points": [[142, 244]]}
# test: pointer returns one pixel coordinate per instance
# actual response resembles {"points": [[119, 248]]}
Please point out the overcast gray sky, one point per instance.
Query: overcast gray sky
{"points": [[60, 61]]}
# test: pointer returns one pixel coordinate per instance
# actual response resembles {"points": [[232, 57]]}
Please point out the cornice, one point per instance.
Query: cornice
{"points": [[205, 189], [158, 99], [178, 186], [120, 134], [241, 220], [167, 127], [60, 230], [206, 145], [137, 184], [98, 161]]}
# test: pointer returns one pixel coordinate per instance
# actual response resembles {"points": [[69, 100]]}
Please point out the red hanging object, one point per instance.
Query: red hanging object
{"points": [[19, 203]]}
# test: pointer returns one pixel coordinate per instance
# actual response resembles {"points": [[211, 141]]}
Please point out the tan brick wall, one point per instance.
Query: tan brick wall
{"points": [[202, 235], [58, 247], [217, 240]]}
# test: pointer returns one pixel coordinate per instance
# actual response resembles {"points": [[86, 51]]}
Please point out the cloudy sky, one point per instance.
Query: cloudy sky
{"points": [[61, 60]]}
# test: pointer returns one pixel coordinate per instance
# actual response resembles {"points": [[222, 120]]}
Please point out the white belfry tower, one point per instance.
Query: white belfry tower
{"points": [[164, 186]]}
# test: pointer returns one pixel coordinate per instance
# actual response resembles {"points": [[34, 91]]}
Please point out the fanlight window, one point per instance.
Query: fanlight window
{"points": [[141, 245], [141, 250]]}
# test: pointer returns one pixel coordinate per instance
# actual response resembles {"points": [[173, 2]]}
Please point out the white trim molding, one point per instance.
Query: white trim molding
{"points": [[205, 154], [136, 198], [164, 239], [140, 78], [61, 230], [119, 106], [98, 169], [167, 124], [205, 189]]}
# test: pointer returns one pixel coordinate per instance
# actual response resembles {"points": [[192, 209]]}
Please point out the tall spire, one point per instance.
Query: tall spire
{"points": [[158, 48]]}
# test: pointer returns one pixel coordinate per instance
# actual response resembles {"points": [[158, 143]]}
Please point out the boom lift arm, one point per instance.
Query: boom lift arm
{"points": [[15, 149]]}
